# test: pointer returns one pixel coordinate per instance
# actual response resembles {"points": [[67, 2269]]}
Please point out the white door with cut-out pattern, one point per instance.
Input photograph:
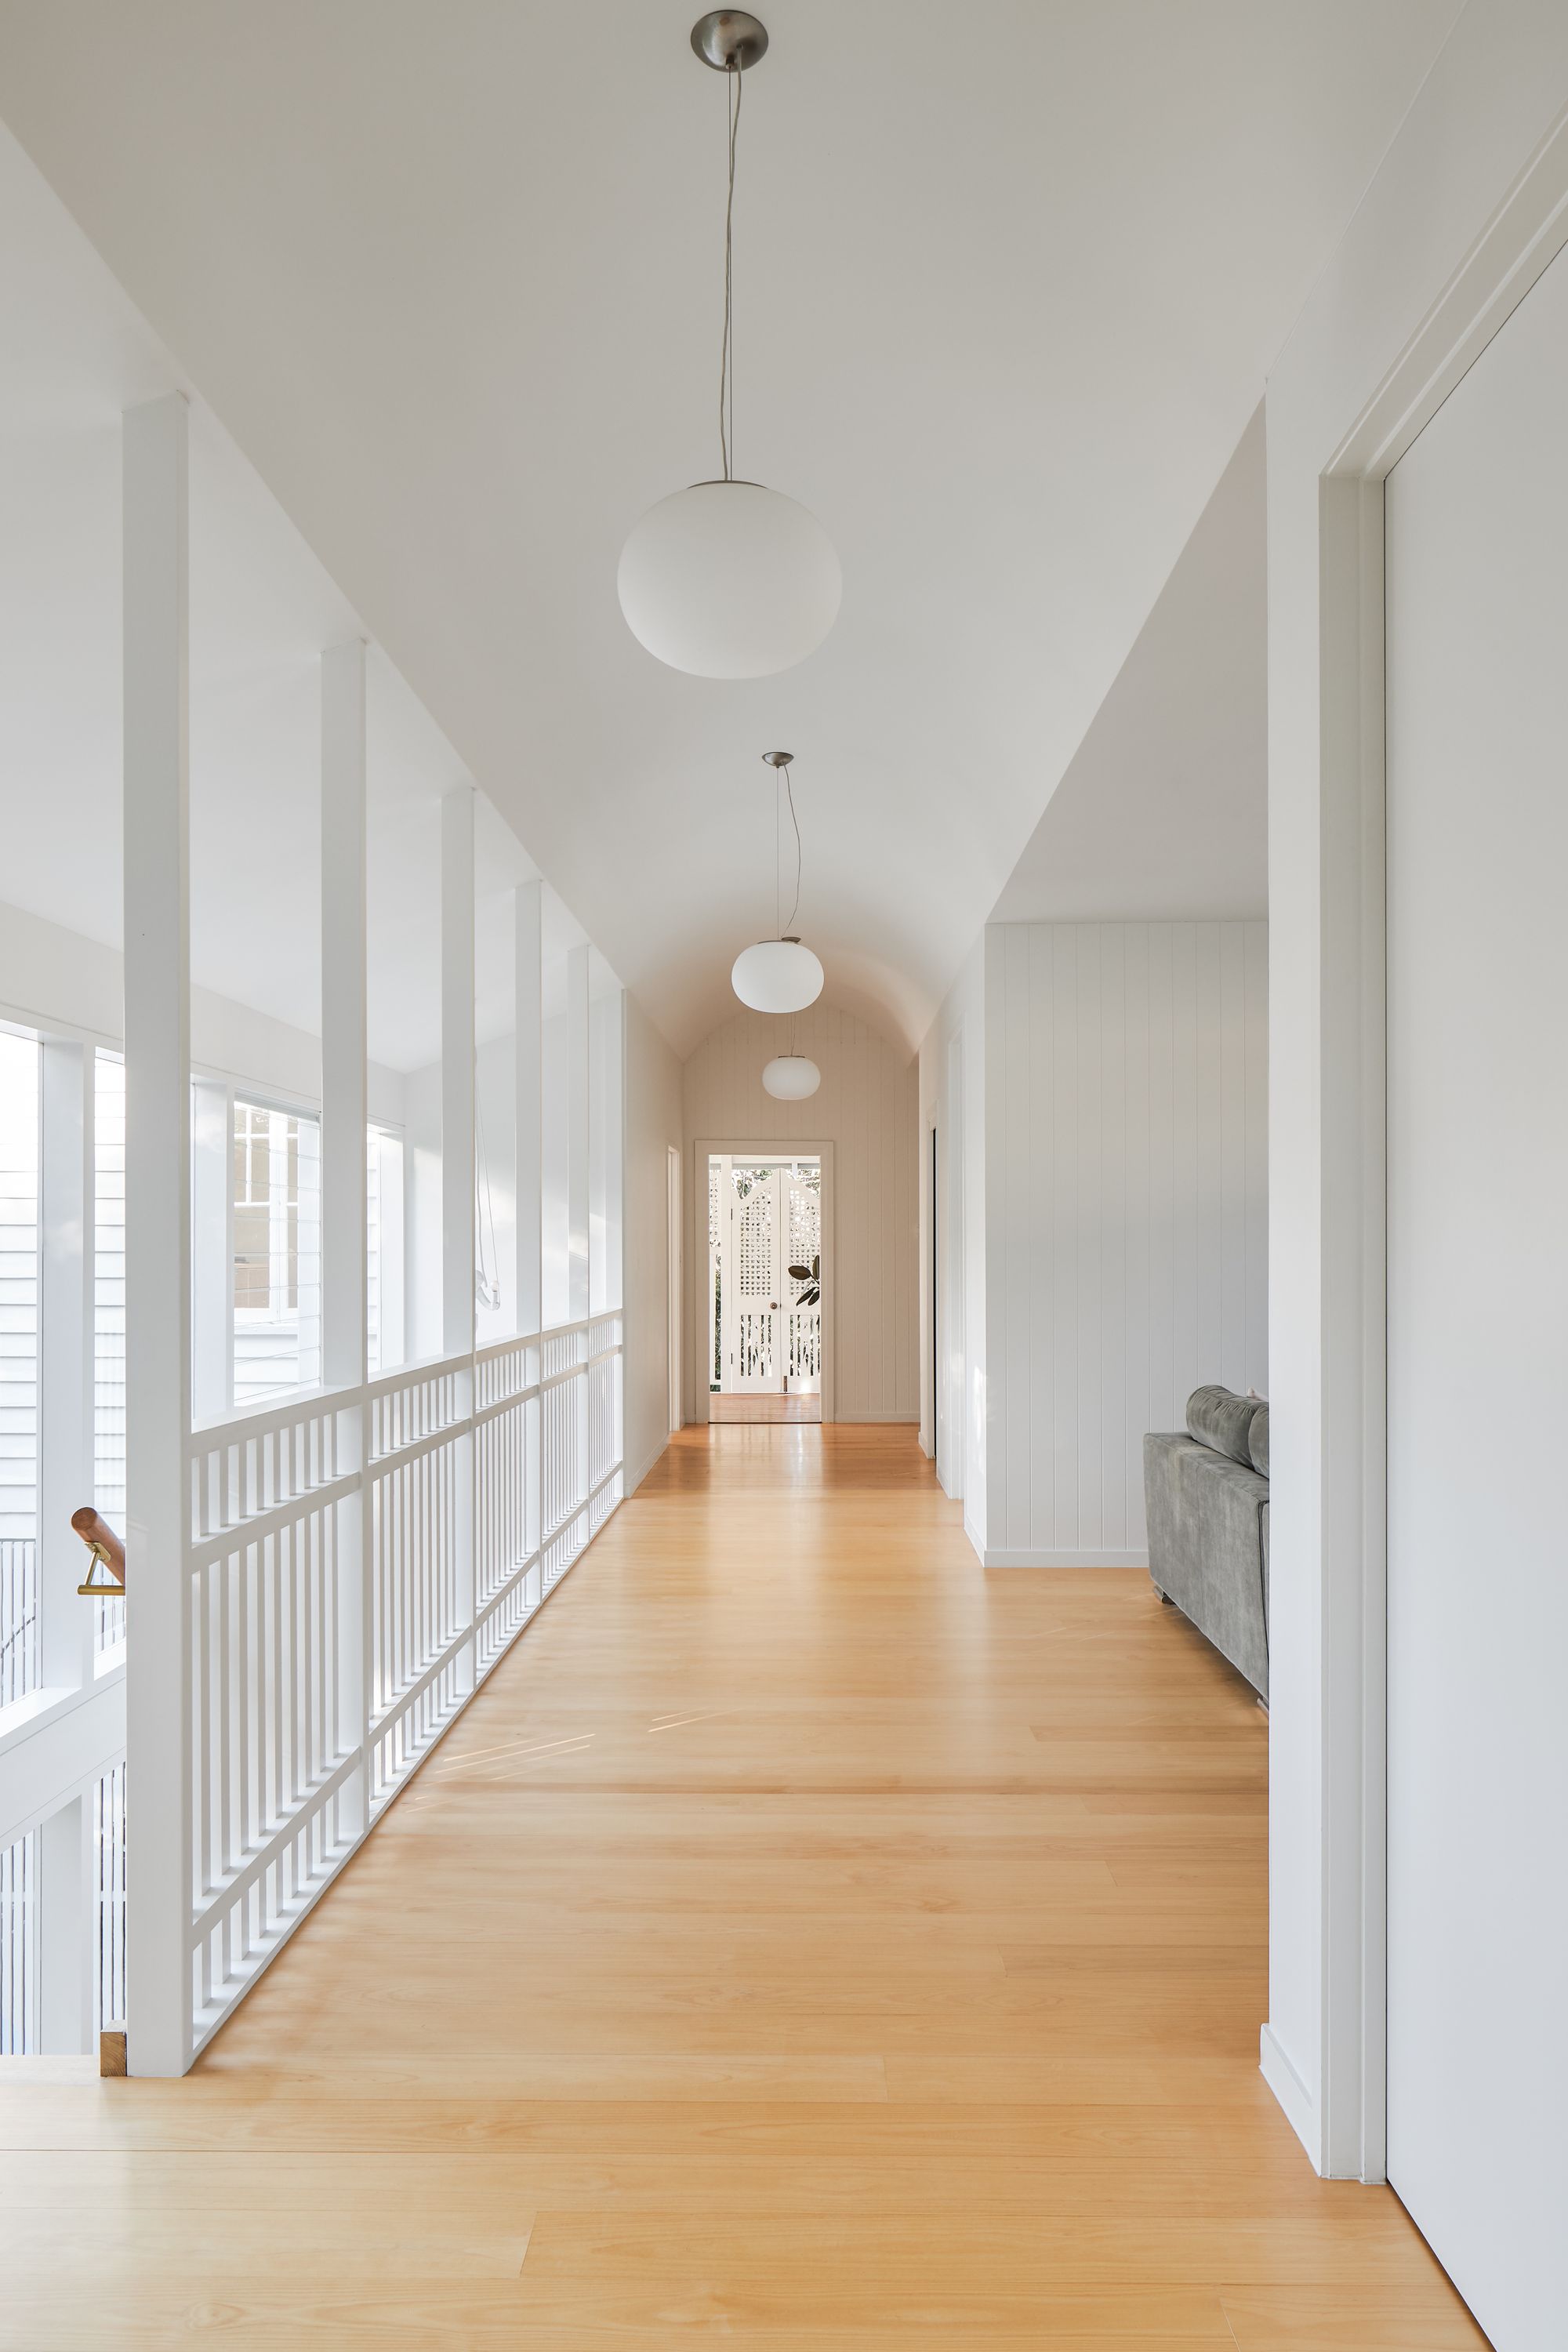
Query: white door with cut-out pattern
{"points": [[766, 1232]]}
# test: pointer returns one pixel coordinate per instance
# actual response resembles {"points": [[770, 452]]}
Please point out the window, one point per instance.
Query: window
{"points": [[384, 1249], [277, 1252]]}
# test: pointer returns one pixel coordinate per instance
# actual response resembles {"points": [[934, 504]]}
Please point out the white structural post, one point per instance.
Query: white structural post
{"points": [[65, 1363], [344, 1017], [345, 1107], [458, 1155], [577, 1132], [529, 904], [67, 1905], [157, 1236]]}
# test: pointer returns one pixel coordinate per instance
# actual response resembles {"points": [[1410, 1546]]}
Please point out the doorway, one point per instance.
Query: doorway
{"points": [[766, 1325], [674, 1291], [933, 1274]]}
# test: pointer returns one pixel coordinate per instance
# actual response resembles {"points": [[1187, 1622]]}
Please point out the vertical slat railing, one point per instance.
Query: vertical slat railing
{"points": [[487, 1450]]}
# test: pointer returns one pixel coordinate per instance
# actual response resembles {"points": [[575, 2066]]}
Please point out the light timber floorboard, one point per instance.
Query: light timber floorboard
{"points": [[806, 1943], [764, 1408]]}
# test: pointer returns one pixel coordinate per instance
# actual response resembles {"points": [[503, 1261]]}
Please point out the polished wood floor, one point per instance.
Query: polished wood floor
{"points": [[807, 1943], [764, 1408]]}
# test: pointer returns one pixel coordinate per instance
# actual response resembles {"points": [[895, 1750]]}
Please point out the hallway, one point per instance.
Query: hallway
{"points": [[805, 1941]]}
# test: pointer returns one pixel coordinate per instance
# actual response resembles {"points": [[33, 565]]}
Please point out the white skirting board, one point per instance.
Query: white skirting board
{"points": [[1291, 2091], [912, 1418], [1068, 1557], [632, 1479]]}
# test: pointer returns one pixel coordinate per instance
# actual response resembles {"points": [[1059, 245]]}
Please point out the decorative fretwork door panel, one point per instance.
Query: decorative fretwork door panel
{"points": [[766, 1322], [755, 1261], [802, 1278]]}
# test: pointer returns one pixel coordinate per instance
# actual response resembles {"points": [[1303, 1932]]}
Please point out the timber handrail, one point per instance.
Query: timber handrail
{"points": [[106, 1547]]}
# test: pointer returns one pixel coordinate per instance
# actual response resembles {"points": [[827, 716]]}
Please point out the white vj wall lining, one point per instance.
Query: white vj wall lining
{"points": [[1126, 1213], [868, 1107]]}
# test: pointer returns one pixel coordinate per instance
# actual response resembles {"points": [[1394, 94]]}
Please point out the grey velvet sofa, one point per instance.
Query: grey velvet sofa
{"points": [[1207, 1494]]}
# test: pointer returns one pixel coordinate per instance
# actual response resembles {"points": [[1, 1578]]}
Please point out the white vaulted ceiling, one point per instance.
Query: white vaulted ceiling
{"points": [[1009, 280]]}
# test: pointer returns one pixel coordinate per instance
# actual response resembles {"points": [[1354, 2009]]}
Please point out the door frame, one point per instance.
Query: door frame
{"points": [[1348, 2137], [675, 1289], [776, 1148]]}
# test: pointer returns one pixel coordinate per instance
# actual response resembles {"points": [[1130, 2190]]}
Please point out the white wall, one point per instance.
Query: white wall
{"points": [[953, 1102], [1453, 200], [653, 1127], [867, 1106], [1478, 1285], [1126, 1212]]}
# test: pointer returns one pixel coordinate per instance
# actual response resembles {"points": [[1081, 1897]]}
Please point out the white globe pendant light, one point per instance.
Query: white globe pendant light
{"points": [[729, 579], [791, 1077], [777, 976], [780, 974]]}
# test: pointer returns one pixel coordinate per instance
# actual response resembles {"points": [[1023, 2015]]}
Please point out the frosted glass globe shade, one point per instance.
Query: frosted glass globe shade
{"points": [[792, 1078], [730, 580], [777, 976]]}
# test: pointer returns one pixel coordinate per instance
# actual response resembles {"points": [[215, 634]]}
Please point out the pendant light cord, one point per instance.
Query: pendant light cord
{"points": [[781, 778], [795, 910], [734, 79]]}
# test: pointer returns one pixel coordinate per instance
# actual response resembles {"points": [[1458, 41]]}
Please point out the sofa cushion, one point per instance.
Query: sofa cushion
{"points": [[1257, 1441], [1224, 1503], [1208, 1538], [1219, 1418]]}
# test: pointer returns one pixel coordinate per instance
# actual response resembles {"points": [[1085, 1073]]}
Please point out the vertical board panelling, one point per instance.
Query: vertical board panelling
{"points": [[1036, 1123], [1010, 1498], [1088, 1055], [1233, 1145], [1208, 1136], [1062, 1305], [1162, 1184], [1183, 1160], [1257, 981], [1127, 1225], [1136, 1318], [1114, 1463], [868, 1107]]}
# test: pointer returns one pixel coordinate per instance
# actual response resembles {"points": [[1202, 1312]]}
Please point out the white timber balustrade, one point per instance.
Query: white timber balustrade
{"points": [[319, 1578], [318, 1586]]}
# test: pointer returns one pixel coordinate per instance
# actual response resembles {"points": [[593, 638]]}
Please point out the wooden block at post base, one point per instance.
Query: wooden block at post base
{"points": [[112, 2050]]}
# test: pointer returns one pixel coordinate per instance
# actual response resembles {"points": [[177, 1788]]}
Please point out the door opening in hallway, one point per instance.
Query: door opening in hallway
{"points": [[765, 1323], [673, 1280]]}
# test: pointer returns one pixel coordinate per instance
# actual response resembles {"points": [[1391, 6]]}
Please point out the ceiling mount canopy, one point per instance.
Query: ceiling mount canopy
{"points": [[780, 974], [729, 579], [730, 40]]}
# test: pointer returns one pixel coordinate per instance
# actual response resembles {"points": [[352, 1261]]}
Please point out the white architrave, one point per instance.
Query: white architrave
{"points": [[157, 1228]]}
